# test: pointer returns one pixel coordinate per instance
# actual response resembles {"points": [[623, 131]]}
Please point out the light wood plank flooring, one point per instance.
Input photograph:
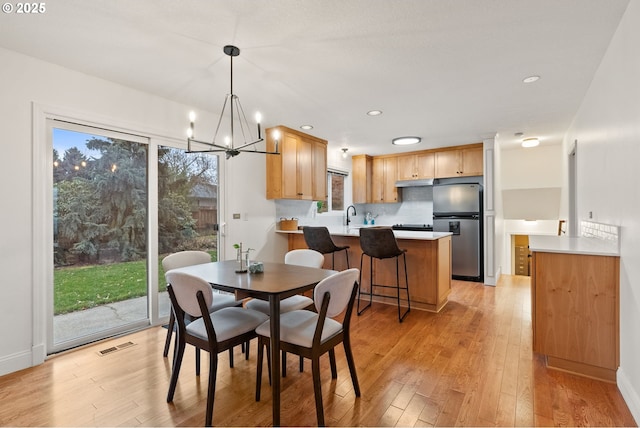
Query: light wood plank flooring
{"points": [[470, 365]]}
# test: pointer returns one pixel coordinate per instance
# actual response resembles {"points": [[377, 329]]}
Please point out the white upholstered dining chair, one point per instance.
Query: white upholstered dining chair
{"points": [[190, 258], [213, 332], [311, 334]]}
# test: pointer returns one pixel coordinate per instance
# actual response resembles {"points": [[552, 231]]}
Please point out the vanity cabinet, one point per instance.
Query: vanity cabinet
{"points": [[384, 176], [300, 171], [416, 166], [460, 162]]}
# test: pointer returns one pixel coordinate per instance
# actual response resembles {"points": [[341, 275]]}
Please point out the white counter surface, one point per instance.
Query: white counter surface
{"points": [[573, 245], [400, 234]]}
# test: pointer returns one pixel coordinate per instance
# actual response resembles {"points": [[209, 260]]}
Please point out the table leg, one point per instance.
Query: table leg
{"points": [[274, 306]]}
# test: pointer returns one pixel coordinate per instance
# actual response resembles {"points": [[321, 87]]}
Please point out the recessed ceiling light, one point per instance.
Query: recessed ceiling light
{"points": [[374, 112], [530, 142], [405, 141], [531, 79], [306, 127]]}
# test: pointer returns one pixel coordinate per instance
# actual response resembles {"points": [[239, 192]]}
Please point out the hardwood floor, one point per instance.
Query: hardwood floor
{"points": [[469, 365]]}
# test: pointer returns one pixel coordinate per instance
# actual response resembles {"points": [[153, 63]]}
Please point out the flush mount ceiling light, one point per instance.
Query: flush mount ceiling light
{"points": [[306, 127], [405, 141], [530, 79], [344, 152], [374, 112], [530, 142], [238, 122]]}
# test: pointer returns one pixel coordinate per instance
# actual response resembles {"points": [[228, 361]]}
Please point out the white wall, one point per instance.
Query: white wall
{"points": [[24, 81], [528, 168], [607, 127]]}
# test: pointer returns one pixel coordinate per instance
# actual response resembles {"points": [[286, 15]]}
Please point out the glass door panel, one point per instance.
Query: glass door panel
{"points": [[100, 200], [187, 208]]}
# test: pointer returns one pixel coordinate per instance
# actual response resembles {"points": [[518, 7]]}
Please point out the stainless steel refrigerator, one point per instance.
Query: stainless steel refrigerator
{"points": [[457, 208]]}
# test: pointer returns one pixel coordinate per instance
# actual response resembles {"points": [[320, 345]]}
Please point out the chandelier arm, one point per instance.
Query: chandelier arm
{"points": [[249, 144], [258, 151], [224, 106]]}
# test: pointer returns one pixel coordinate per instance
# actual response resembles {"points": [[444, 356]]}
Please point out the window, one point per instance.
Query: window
{"points": [[335, 190]]}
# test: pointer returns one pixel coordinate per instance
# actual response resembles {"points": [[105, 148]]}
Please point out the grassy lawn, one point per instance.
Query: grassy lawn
{"points": [[84, 287]]}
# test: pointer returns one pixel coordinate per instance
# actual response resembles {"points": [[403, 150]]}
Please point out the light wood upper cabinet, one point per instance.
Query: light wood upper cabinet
{"points": [[362, 178], [300, 171], [384, 177], [319, 170], [416, 166], [460, 162]]}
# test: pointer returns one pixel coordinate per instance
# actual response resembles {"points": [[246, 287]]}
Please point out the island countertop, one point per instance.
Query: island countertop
{"points": [[573, 245], [354, 231]]}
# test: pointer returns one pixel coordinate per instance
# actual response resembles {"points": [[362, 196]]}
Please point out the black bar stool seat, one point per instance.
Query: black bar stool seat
{"points": [[319, 239], [381, 243]]}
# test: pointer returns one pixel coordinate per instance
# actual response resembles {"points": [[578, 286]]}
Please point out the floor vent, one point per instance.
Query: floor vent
{"points": [[113, 349]]}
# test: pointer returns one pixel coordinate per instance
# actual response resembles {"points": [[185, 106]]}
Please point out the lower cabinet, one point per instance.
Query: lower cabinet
{"points": [[575, 312]]}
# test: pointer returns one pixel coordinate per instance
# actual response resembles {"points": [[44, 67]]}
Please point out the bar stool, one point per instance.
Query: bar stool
{"points": [[319, 239], [380, 243]]}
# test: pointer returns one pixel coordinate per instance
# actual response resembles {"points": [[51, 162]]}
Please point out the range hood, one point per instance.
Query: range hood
{"points": [[415, 183]]}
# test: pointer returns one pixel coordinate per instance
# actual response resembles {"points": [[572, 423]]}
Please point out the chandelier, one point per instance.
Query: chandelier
{"points": [[238, 128]]}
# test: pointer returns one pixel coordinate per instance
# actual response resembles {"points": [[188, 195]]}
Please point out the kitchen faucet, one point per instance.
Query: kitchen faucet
{"points": [[354, 213]]}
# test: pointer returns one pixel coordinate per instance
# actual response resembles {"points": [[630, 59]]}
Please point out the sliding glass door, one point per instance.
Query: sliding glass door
{"points": [[100, 204]]}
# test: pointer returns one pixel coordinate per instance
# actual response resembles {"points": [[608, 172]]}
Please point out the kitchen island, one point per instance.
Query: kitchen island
{"points": [[428, 264]]}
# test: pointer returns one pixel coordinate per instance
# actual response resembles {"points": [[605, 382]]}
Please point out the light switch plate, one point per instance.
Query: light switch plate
{"points": [[236, 216]]}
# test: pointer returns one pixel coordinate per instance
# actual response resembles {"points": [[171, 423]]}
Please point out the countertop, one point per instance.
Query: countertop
{"points": [[573, 245], [400, 234]]}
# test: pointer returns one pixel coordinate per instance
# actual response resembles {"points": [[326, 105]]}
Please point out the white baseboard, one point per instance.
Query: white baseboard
{"points": [[14, 362], [630, 395]]}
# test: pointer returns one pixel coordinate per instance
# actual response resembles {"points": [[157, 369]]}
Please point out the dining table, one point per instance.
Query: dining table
{"points": [[277, 281]]}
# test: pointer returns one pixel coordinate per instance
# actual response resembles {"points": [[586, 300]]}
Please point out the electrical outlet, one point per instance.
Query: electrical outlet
{"points": [[236, 216], [590, 214]]}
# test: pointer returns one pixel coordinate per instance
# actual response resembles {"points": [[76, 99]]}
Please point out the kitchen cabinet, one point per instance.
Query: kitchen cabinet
{"points": [[384, 177], [460, 162], [575, 312], [361, 178], [300, 171], [416, 166]]}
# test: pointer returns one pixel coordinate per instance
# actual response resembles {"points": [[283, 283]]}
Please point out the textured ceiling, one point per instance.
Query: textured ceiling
{"points": [[448, 71]]}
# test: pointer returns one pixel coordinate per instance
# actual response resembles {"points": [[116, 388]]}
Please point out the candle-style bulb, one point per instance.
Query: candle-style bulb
{"points": [[258, 119], [190, 132], [227, 141], [192, 116]]}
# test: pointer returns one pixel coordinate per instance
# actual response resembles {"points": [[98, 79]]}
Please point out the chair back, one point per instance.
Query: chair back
{"points": [[340, 287], [185, 288], [319, 239], [379, 242], [185, 258], [304, 257]]}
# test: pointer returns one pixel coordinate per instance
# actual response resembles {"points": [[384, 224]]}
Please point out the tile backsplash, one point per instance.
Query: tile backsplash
{"points": [[607, 232]]}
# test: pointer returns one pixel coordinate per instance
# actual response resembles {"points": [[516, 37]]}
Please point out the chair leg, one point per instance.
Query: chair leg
{"points": [[301, 364], [346, 252], [231, 357], [358, 310], [332, 363], [400, 315], [211, 394], [170, 327], [197, 361], [246, 350], [346, 342], [260, 358], [177, 363], [317, 389], [284, 364]]}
